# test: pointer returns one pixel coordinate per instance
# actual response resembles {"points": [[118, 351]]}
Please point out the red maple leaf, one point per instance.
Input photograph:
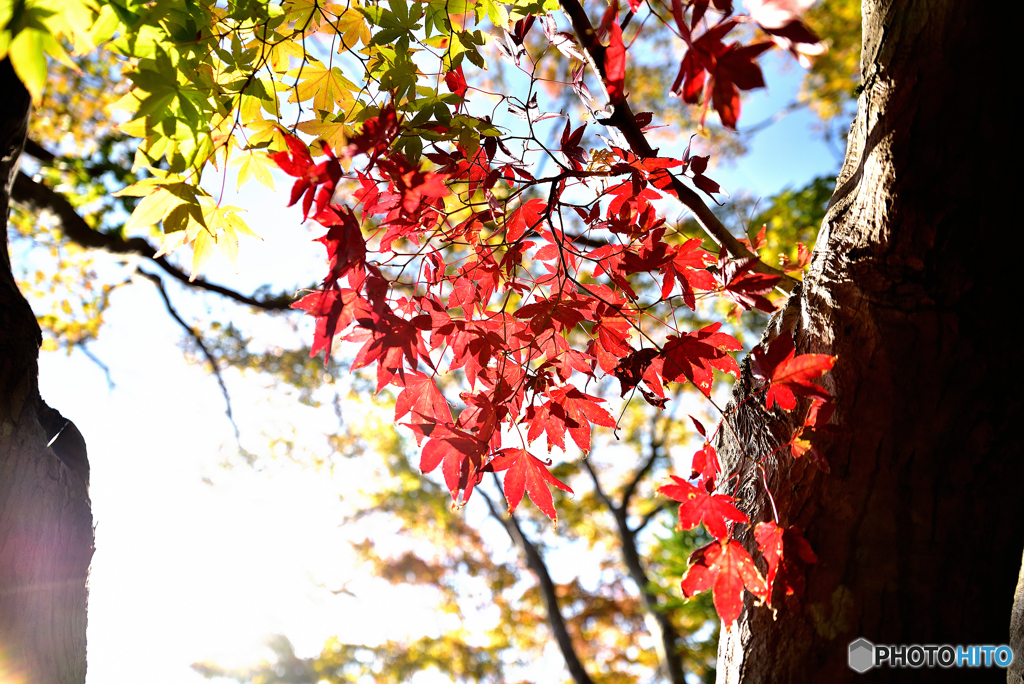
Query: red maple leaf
{"points": [[745, 287], [705, 464], [803, 258], [695, 355], [567, 408], [554, 313], [411, 184], [688, 267], [456, 81], [789, 375], [697, 505], [780, 20], [421, 396], [528, 216], [528, 474], [375, 136], [346, 248], [615, 63], [473, 346], [612, 329], [787, 554], [298, 162], [334, 309], [726, 568], [460, 454], [815, 426], [630, 370], [391, 342], [735, 71], [570, 142], [727, 68]]}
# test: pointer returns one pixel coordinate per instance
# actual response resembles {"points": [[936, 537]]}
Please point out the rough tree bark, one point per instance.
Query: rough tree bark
{"points": [[46, 533], [919, 527]]}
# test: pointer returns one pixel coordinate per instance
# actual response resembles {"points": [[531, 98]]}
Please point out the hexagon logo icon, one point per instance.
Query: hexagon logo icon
{"points": [[862, 655]]}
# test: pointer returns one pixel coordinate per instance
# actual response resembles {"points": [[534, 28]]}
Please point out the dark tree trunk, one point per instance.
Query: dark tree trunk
{"points": [[920, 525], [46, 535]]}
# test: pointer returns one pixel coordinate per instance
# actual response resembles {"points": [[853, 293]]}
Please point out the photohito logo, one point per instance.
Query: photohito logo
{"points": [[865, 655]]}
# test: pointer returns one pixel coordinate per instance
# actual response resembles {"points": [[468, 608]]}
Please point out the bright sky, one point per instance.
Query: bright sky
{"points": [[196, 562]]}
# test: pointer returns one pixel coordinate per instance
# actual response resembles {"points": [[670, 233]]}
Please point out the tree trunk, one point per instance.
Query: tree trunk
{"points": [[46, 534], [918, 528]]}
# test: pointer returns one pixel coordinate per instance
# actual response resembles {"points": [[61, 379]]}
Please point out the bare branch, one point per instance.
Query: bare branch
{"points": [[155, 279], [667, 639], [773, 119], [641, 472], [102, 366], [36, 197], [648, 517], [597, 487], [624, 121], [547, 587], [34, 149]]}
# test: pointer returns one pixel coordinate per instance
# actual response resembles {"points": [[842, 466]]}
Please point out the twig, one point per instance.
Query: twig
{"points": [[646, 519], [156, 280], [623, 120], [773, 119], [102, 366]]}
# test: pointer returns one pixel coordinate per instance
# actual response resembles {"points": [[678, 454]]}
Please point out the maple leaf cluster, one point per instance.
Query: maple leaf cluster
{"points": [[519, 364], [714, 72], [725, 566], [445, 260]]}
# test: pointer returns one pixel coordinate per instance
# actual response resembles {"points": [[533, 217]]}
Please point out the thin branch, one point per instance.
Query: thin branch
{"points": [[773, 119], [624, 121], [597, 487], [648, 517], [642, 471], [36, 197], [102, 366], [666, 638], [547, 587], [194, 334], [659, 624]]}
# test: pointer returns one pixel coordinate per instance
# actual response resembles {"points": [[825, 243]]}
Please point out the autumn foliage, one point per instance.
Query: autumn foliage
{"points": [[525, 268], [464, 260]]}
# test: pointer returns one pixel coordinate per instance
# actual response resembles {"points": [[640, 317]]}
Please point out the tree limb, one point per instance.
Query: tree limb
{"points": [[36, 197], [647, 517], [34, 149], [666, 637], [547, 588], [641, 472], [597, 487], [194, 334], [624, 121]]}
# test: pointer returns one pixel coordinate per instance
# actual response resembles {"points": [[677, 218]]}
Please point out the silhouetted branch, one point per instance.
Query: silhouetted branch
{"points": [[773, 119], [34, 149], [647, 517], [667, 639], [547, 588], [194, 334], [36, 197], [641, 472], [597, 486]]}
